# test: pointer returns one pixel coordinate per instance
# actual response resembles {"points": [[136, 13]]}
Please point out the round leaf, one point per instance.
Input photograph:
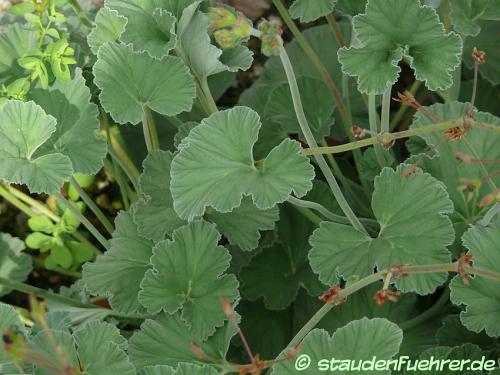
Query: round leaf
{"points": [[14, 265]]}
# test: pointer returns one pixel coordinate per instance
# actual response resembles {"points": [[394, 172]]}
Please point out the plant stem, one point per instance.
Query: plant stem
{"points": [[93, 207], [373, 117], [404, 108], [36, 205], [314, 59], [134, 179], [309, 137], [398, 135], [117, 174], [80, 13], [86, 223], [28, 289], [493, 211], [330, 18], [149, 130], [386, 111], [16, 202], [354, 287]]}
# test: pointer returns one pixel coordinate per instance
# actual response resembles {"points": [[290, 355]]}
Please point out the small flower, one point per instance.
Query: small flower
{"points": [[332, 296], [271, 37], [479, 56], [455, 134], [384, 295], [221, 17], [358, 132], [463, 261]]}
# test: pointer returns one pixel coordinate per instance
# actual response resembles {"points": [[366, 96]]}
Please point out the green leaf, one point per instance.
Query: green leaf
{"points": [[108, 27], [387, 33], [414, 230], [24, 128], [465, 14], [166, 340], [118, 273], [154, 213], [10, 318], [15, 42], [151, 27], [279, 271], [129, 81], [486, 41], [351, 7], [309, 11], [156, 218], [62, 256], [242, 225], [77, 123], [196, 290], [96, 348], [482, 296], [195, 48], [222, 147], [446, 167], [349, 342], [316, 99], [100, 350]]}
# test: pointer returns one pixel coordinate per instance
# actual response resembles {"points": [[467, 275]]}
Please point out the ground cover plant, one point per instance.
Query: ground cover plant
{"points": [[186, 190]]}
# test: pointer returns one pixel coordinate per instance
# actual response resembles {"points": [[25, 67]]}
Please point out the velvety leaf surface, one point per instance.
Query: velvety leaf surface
{"points": [[221, 146], [108, 27], [118, 272], [482, 296], [14, 265], [129, 81], [348, 342], [24, 128], [77, 123], [414, 230], [196, 290], [465, 14], [308, 10], [166, 340], [151, 26], [387, 33], [445, 167]]}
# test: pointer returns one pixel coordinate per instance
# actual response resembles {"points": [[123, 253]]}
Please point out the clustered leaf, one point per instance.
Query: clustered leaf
{"points": [[413, 230], [108, 27], [221, 146], [388, 33]]}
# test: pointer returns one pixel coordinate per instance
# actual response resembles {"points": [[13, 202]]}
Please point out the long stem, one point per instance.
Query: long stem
{"points": [[62, 271], [330, 18], [386, 111], [399, 135], [117, 174], [37, 206], [309, 137], [132, 176], [149, 130], [356, 286], [86, 223], [93, 207], [314, 58], [429, 313], [80, 13], [373, 117]]}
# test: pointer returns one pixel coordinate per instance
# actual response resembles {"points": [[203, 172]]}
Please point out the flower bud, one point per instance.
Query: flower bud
{"points": [[221, 17]]}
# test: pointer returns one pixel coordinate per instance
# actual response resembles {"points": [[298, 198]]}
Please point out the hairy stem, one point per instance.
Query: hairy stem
{"points": [[93, 207], [404, 108], [309, 137], [399, 135], [81, 13], [86, 223], [373, 117], [210, 102], [8, 196], [149, 130]]}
